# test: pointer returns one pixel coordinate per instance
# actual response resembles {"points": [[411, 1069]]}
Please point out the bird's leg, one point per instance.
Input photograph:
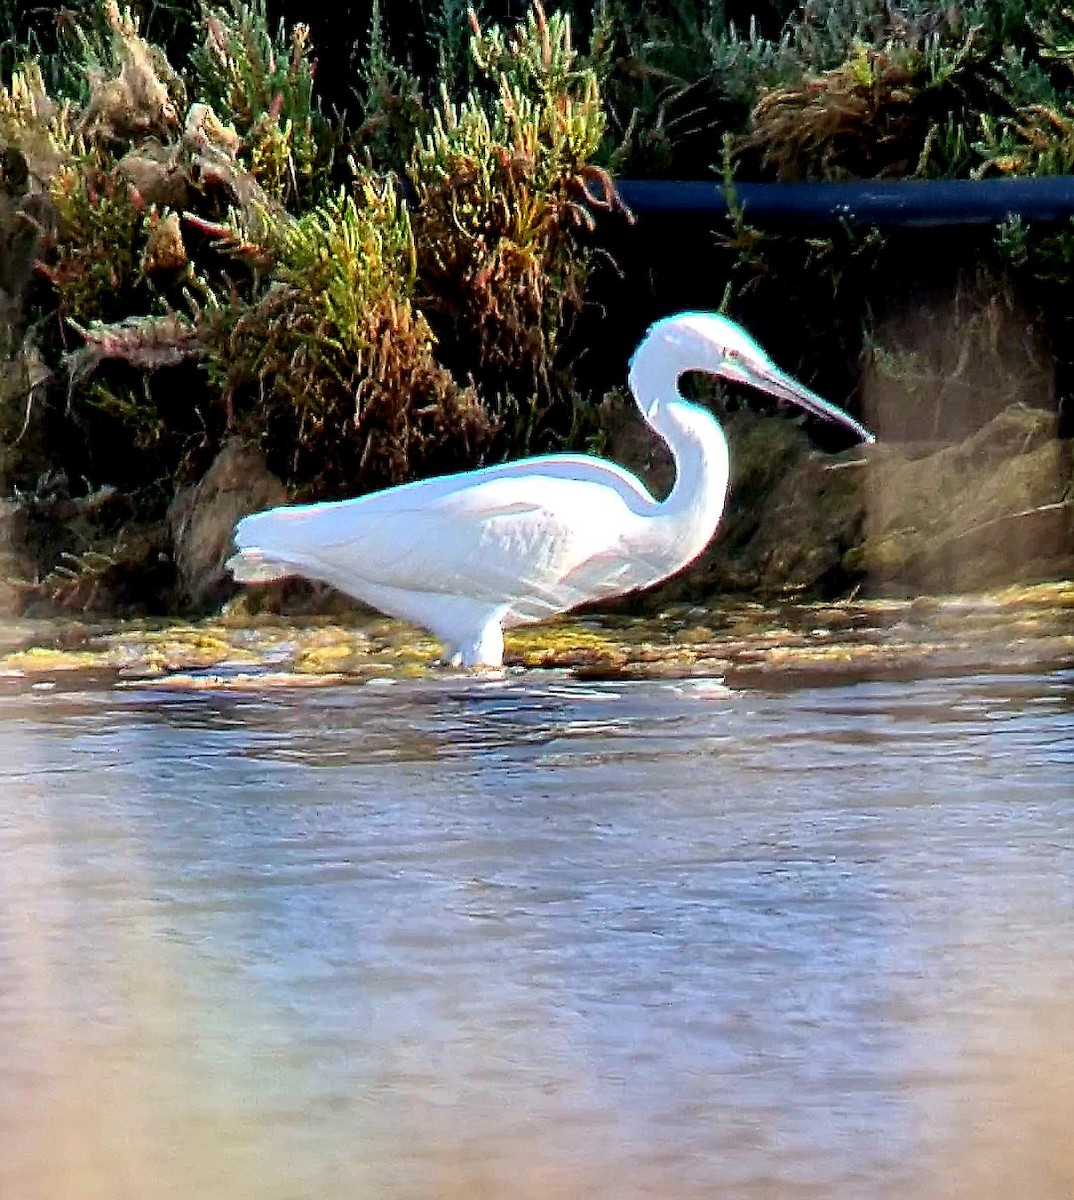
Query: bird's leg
{"points": [[486, 649]]}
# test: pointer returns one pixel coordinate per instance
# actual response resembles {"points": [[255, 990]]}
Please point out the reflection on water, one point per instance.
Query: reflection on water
{"points": [[533, 937]]}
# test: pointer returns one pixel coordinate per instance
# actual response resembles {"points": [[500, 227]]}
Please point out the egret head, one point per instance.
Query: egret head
{"points": [[713, 343]]}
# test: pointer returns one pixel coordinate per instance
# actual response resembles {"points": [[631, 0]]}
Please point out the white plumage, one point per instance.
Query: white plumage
{"points": [[466, 556]]}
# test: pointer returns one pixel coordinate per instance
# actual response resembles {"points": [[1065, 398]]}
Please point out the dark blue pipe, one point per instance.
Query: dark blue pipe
{"points": [[907, 203]]}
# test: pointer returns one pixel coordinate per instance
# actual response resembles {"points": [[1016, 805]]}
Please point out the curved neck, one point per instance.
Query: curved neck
{"points": [[702, 463], [698, 447]]}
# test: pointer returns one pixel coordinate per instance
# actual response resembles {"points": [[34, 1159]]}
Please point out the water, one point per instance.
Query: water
{"points": [[538, 937]]}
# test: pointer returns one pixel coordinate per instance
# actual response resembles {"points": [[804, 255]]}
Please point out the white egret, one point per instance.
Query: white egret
{"points": [[466, 556]]}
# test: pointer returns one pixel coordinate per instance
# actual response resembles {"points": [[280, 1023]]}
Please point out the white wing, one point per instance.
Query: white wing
{"points": [[537, 535]]}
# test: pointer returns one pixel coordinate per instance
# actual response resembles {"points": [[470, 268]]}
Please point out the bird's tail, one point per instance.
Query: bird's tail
{"points": [[251, 566], [267, 548]]}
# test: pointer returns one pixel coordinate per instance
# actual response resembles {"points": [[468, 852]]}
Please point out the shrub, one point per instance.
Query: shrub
{"points": [[503, 181], [333, 369]]}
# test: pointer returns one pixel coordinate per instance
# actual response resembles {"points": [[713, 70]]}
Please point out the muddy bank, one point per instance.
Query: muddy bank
{"points": [[743, 643], [969, 487]]}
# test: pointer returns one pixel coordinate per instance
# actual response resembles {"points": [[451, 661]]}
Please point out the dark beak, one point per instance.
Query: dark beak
{"points": [[772, 380]]}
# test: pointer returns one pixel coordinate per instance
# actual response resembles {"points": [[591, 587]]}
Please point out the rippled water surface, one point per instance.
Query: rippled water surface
{"points": [[538, 937]]}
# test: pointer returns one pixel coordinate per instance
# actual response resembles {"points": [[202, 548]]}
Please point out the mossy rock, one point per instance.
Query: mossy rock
{"points": [[990, 510]]}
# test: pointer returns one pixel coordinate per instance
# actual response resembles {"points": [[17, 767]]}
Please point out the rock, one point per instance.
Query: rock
{"points": [[991, 510], [158, 174], [202, 518], [164, 249]]}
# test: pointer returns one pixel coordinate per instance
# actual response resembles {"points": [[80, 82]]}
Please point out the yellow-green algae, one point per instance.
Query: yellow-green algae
{"points": [[745, 643]]}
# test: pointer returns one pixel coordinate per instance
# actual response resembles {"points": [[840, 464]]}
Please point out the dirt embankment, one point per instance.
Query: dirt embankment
{"points": [[892, 519], [969, 487]]}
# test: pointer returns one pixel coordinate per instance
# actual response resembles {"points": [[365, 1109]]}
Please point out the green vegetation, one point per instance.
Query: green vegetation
{"points": [[350, 394], [502, 181], [202, 251]]}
